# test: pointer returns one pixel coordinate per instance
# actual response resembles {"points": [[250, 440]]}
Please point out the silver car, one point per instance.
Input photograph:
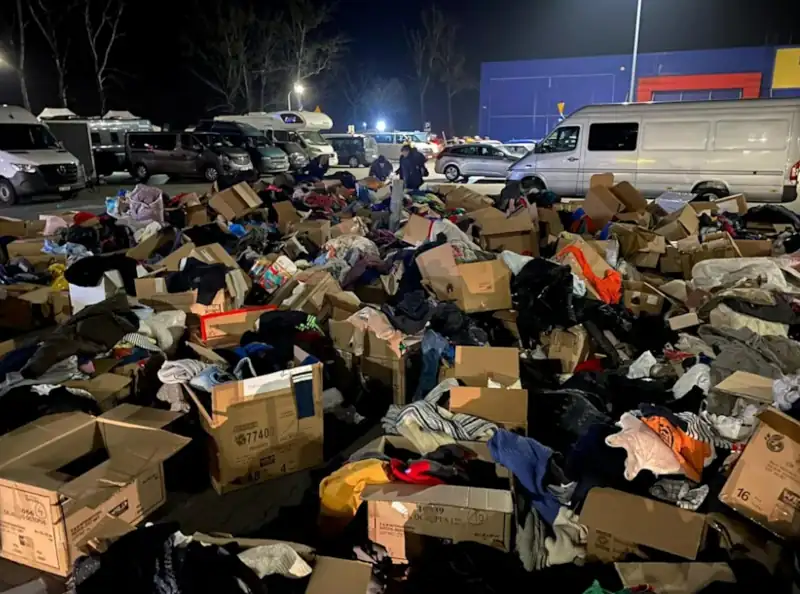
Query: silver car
{"points": [[474, 160]]}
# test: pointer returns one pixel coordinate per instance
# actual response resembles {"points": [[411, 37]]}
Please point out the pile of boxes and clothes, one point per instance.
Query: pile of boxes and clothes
{"points": [[488, 394]]}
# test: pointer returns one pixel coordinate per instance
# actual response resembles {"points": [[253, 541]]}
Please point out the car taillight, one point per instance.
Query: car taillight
{"points": [[794, 173], [440, 155]]}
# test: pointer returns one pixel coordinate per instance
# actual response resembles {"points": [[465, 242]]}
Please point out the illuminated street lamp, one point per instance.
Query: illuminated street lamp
{"points": [[380, 126], [298, 89]]}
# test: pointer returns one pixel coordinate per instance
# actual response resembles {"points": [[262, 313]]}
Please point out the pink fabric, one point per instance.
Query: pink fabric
{"points": [[146, 204], [53, 223], [645, 449]]}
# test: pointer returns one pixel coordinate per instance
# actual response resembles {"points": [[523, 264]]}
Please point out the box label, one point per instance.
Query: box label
{"points": [[26, 528]]}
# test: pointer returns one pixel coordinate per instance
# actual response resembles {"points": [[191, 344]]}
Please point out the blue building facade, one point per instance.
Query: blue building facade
{"points": [[521, 99]]}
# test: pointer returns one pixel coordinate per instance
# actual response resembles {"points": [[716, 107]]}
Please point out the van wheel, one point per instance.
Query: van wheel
{"points": [[8, 195], [452, 173], [529, 184], [211, 173], [707, 194], [141, 173], [353, 162]]}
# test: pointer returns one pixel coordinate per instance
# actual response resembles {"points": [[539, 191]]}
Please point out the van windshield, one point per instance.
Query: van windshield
{"points": [[26, 137], [313, 138]]}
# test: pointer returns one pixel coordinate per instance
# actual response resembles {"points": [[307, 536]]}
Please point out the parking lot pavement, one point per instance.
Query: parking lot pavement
{"points": [[93, 200]]}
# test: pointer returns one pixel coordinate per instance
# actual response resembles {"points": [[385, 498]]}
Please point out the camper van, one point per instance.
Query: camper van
{"points": [[302, 127], [99, 142], [711, 148], [32, 161]]}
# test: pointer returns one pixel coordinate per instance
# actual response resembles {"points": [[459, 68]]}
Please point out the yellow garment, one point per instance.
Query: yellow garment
{"points": [[57, 272], [340, 492]]}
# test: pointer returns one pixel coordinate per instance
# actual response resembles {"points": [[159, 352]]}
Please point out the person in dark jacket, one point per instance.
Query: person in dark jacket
{"points": [[412, 167], [381, 168]]}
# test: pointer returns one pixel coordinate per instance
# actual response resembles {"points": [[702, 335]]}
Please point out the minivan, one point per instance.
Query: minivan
{"points": [[32, 161], [391, 143], [354, 149], [185, 154], [265, 157], [709, 148]]}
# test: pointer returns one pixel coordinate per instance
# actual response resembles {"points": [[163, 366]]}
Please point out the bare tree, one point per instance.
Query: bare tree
{"points": [[451, 65], [307, 52], [385, 98], [50, 19], [424, 45], [14, 48], [102, 30], [355, 89]]}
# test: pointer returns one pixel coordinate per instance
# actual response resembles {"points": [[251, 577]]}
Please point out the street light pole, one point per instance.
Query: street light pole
{"points": [[298, 90], [289, 100], [631, 97]]}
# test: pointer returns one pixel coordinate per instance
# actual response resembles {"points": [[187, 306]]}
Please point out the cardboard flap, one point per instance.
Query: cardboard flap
{"points": [[518, 223], [457, 496], [781, 422], [172, 262], [475, 365], [141, 416], [235, 201], [629, 196], [482, 277], [38, 434], [747, 385], [508, 408], [674, 578], [287, 215], [207, 355], [416, 230], [339, 576], [226, 328], [107, 530]]}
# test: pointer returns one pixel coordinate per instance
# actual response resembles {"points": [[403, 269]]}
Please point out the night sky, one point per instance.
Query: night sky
{"points": [[159, 86]]}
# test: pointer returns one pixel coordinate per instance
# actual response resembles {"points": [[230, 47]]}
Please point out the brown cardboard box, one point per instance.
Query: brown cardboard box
{"points": [[172, 262], [319, 231], [25, 306], [619, 522], [226, 329], [48, 509], [754, 248], [550, 221], [678, 225], [631, 198], [235, 201], [399, 514], [416, 230], [641, 297], [670, 262], [479, 286], [20, 228], [311, 299], [675, 578], [570, 346], [515, 233], [475, 366], [109, 389], [152, 291], [742, 384], [287, 215], [506, 407], [604, 180], [735, 203], [601, 205], [765, 483], [687, 320], [196, 211], [462, 197], [23, 248], [596, 262], [343, 304], [255, 428]]}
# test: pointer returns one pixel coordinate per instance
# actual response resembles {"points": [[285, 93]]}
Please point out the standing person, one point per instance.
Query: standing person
{"points": [[412, 167]]}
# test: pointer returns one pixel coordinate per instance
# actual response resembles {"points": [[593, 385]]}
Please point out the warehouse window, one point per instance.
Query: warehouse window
{"points": [[561, 140], [613, 137]]}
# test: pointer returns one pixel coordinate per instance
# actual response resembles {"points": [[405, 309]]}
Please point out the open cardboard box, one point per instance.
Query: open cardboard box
{"points": [[25, 306], [20, 227], [596, 262], [478, 286], [62, 474], [400, 513], [515, 233], [236, 201], [264, 427], [606, 200], [457, 196]]}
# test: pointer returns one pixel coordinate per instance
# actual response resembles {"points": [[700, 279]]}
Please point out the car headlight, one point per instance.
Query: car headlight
{"points": [[24, 167]]}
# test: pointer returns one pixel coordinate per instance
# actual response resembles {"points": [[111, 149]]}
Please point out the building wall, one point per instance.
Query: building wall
{"points": [[520, 99]]}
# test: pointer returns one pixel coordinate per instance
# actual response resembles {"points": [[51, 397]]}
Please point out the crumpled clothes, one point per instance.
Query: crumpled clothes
{"points": [[340, 492], [786, 391], [146, 203], [569, 541], [515, 262], [724, 316], [173, 374], [452, 232], [338, 246], [52, 223], [66, 369], [680, 492], [72, 251], [147, 232], [710, 274], [645, 449], [464, 253], [698, 375], [373, 321], [608, 288], [641, 368], [693, 454], [165, 328], [273, 559]]}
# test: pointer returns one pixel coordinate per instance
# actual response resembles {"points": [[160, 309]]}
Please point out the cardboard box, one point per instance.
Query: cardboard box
{"points": [[23, 248], [686, 320], [765, 483], [570, 346], [62, 474], [630, 197], [152, 291], [754, 248], [109, 285], [640, 297], [399, 514], [601, 205], [287, 215], [596, 262], [108, 389], [20, 228], [549, 221], [319, 231], [515, 233], [310, 297], [235, 201], [475, 366], [675, 578], [172, 262], [678, 225], [506, 407], [416, 230], [462, 197], [264, 427], [619, 522], [225, 329], [735, 203], [479, 286], [741, 384], [195, 209], [26, 306]]}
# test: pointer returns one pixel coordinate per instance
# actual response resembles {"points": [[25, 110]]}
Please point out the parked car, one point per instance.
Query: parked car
{"points": [[709, 148], [298, 156], [266, 158], [185, 154], [391, 143], [520, 149], [354, 149], [474, 159], [32, 161]]}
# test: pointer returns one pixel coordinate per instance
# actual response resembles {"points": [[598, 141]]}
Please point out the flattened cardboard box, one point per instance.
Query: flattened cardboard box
{"points": [[570, 347], [640, 297], [47, 508], [396, 511], [764, 486], [264, 427], [618, 522]]}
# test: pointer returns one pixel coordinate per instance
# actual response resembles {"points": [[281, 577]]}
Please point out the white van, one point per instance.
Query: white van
{"points": [[713, 148], [32, 161], [302, 127], [390, 143]]}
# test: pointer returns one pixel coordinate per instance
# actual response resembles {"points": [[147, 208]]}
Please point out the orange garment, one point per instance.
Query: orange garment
{"points": [[609, 287], [691, 453]]}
